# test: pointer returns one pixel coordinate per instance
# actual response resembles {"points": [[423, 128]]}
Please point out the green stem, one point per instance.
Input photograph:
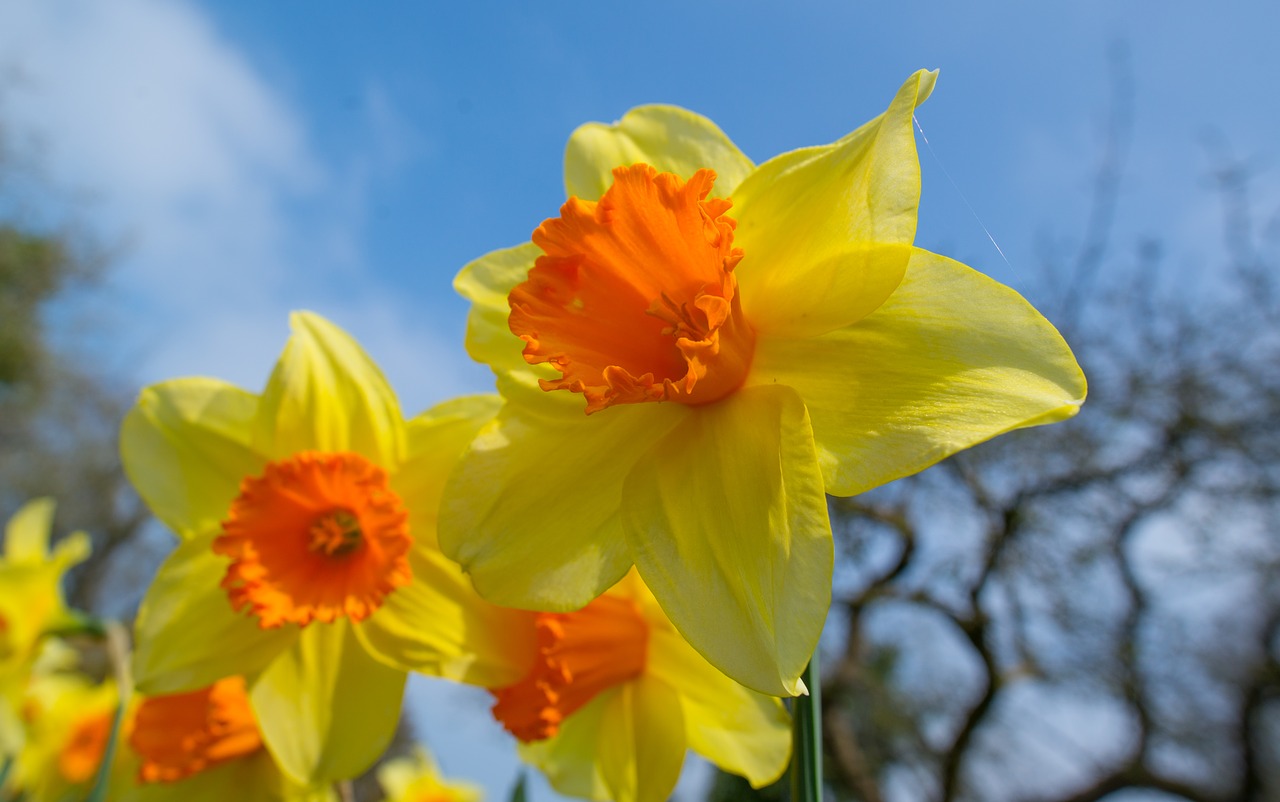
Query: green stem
{"points": [[806, 739], [118, 655]]}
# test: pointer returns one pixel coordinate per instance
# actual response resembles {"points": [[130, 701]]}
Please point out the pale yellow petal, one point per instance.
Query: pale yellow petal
{"points": [[438, 625], [641, 742], [950, 360], [727, 522], [827, 230], [568, 759], [741, 731], [434, 440], [532, 511], [327, 709], [253, 778], [187, 636], [487, 282], [669, 138], [326, 394], [186, 446], [26, 536]]}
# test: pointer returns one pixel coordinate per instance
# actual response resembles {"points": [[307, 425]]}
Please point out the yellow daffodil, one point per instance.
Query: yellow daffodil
{"points": [[68, 720], [612, 697], [801, 344], [201, 746], [31, 604], [308, 562], [416, 778]]}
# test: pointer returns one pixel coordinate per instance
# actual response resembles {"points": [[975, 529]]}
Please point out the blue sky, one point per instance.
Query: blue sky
{"points": [[247, 159]]}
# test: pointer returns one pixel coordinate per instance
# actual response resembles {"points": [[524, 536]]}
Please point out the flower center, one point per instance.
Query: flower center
{"points": [[334, 533], [83, 750], [635, 298], [317, 536], [579, 655], [182, 734]]}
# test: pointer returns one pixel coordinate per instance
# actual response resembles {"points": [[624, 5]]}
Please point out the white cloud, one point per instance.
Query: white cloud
{"points": [[199, 167]]}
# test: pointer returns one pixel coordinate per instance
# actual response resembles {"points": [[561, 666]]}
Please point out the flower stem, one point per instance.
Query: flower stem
{"points": [[806, 739], [118, 655]]}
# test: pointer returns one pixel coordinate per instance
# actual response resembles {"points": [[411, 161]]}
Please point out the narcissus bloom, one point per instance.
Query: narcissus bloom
{"points": [[68, 721], [612, 697], [31, 604], [308, 561], [699, 349], [416, 779], [201, 745]]}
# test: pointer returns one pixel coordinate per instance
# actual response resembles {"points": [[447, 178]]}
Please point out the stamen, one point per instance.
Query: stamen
{"points": [[335, 533]]}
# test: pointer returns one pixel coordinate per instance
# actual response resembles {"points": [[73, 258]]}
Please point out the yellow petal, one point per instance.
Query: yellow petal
{"points": [[827, 230], [950, 360], [253, 778], [434, 440], [415, 778], [641, 741], [327, 709], [741, 731], [187, 635], [532, 510], [186, 446], [568, 759], [439, 626], [626, 745], [727, 522], [666, 137], [486, 282], [326, 394], [26, 536]]}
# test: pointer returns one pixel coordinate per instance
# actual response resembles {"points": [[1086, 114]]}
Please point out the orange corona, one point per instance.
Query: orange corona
{"points": [[83, 750], [579, 655], [634, 298], [181, 734], [316, 537]]}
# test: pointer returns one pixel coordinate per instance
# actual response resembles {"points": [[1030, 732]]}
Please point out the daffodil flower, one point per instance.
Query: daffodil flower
{"points": [[202, 746], [31, 604], [308, 562], [68, 721], [612, 697], [415, 778], [743, 340]]}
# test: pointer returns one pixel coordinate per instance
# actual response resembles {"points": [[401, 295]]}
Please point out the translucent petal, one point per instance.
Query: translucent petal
{"points": [[26, 536], [487, 282], [569, 758], [434, 440], [727, 522], [187, 634], [250, 779], [950, 360], [326, 394], [186, 446], [666, 137], [532, 510], [827, 230], [641, 741], [741, 731], [327, 709], [439, 626]]}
